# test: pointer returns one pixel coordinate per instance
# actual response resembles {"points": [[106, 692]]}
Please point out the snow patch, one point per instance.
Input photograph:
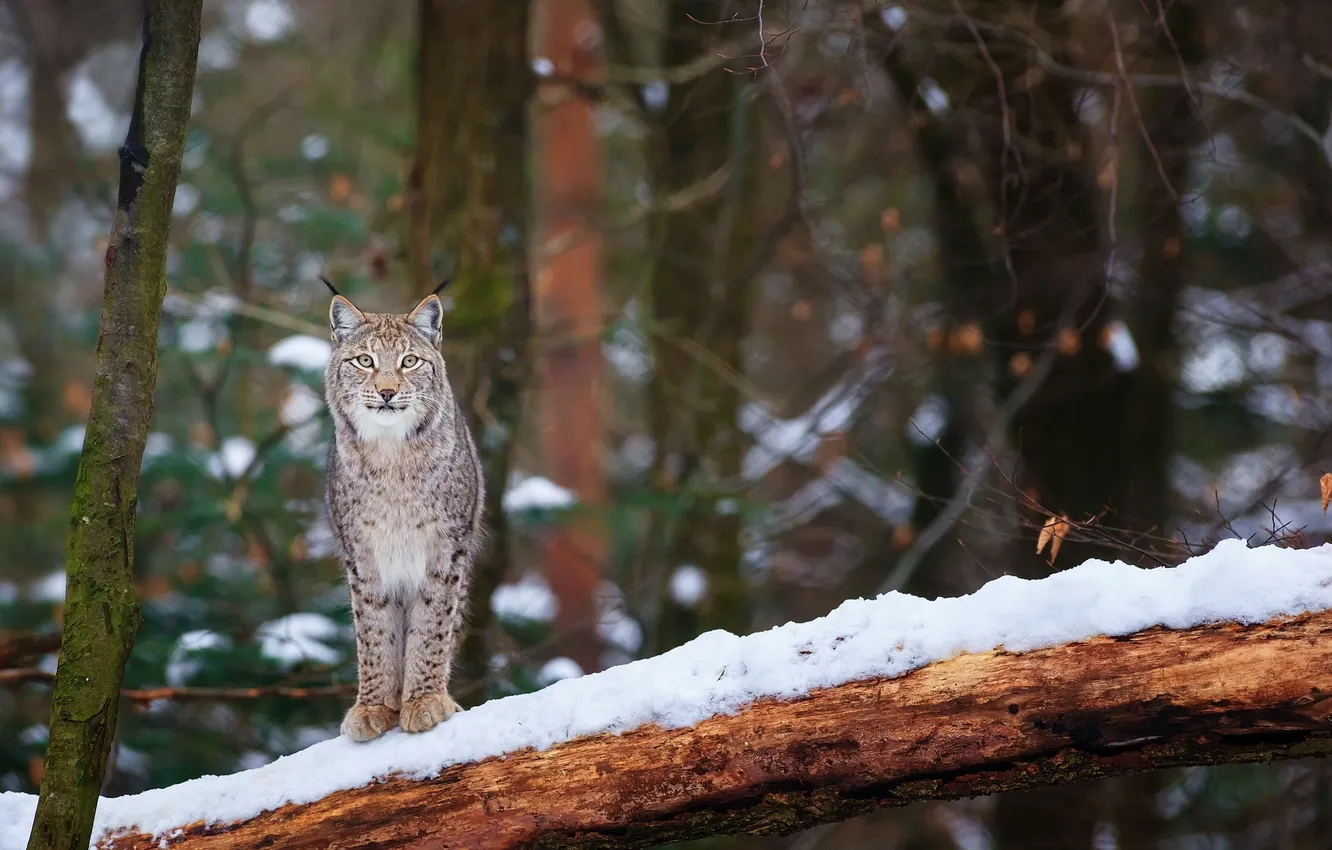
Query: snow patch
{"points": [[558, 669], [719, 673], [300, 405], [1119, 341], [299, 637], [797, 438], [156, 446], [181, 665], [928, 422], [530, 598], [536, 493], [51, 588], [301, 352], [688, 585], [268, 20], [314, 147], [232, 458], [99, 126]]}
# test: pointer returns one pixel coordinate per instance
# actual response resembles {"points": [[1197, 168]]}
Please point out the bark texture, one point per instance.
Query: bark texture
{"points": [[468, 222], [700, 297], [566, 264], [101, 612], [976, 724]]}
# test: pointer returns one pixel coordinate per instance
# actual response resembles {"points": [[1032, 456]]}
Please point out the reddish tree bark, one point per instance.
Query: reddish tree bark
{"points": [[567, 260]]}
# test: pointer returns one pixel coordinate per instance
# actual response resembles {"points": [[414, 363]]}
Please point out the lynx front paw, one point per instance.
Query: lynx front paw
{"points": [[426, 712], [367, 722]]}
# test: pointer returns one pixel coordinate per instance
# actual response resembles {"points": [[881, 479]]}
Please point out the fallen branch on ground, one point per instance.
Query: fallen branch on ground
{"points": [[22, 675], [15, 646], [976, 723]]}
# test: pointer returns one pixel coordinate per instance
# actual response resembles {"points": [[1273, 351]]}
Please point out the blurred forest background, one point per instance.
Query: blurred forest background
{"points": [[757, 306]]}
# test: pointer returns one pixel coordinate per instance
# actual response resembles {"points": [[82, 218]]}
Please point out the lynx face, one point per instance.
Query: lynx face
{"points": [[386, 375]]}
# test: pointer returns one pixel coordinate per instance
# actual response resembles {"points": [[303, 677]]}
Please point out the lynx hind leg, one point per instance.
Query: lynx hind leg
{"points": [[367, 722], [426, 712]]}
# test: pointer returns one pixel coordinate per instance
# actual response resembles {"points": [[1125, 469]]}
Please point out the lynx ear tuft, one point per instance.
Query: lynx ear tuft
{"points": [[343, 318], [428, 318]]}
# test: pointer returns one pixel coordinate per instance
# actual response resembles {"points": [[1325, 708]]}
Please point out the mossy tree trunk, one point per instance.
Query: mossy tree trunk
{"points": [[101, 612], [468, 213]]}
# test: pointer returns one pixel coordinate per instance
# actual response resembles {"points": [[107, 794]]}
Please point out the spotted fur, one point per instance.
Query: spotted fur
{"points": [[405, 495]]}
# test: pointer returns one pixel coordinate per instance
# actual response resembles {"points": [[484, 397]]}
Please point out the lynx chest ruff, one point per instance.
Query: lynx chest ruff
{"points": [[399, 520], [398, 540]]}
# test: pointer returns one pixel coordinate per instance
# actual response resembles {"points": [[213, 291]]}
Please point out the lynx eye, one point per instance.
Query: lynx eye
{"points": [[411, 361], [365, 361]]}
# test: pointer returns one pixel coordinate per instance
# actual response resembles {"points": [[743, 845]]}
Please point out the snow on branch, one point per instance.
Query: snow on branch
{"points": [[1099, 670]]}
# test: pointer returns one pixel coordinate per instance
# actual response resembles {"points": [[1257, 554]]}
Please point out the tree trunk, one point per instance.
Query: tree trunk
{"points": [[101, 612], [1032, 167], [469, 200], [566, 261], [973, 725], [700, 299], [1173, 127]]}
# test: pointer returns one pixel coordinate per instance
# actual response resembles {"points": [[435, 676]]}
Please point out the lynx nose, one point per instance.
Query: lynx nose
{"points": [[387, 395]]}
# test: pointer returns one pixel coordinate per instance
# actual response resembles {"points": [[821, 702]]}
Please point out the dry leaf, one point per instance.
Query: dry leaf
{"points": [[871, 261], [76, 399], [1105, 178], [257, 554], [189, 572], [339, 188], [967, 339], [1325, 485], [1047, 531], [1027, 322], [1060, 530], [156, 587], [15, 454], [201, 435], [1053, 533], [903, 536]]}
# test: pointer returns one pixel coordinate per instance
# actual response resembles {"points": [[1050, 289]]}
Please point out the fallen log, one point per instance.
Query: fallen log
{"points": [[975, 724], [1098, 670]]}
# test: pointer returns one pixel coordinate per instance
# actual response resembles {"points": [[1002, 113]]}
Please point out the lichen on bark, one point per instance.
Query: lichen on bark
{"points": [[101, 612]]}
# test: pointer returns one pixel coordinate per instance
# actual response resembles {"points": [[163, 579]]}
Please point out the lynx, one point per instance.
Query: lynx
{"points": [[405, 496]]}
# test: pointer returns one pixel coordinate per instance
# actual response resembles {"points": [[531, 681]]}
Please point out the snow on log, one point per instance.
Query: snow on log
{"points": [[1100, 670]]}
